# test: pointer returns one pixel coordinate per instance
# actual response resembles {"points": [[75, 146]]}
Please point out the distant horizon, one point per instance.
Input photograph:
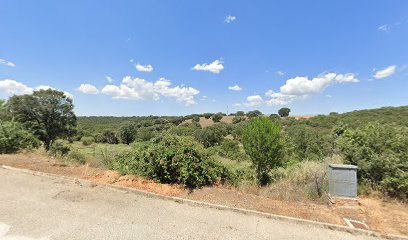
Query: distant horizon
{"points": [[290, 115], [138, 58]]}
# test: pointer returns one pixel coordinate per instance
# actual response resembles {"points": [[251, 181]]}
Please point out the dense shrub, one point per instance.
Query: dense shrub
{"points": [[59, 149], [209, 136], [238, 119], [145, 134], [262, 142], [76, 156], [187, 129], [13, 138], [195, 119], [230, 149], [127, 133], [381, 153], [254, 113], [217, 117], [86, 141], [172, 159]]}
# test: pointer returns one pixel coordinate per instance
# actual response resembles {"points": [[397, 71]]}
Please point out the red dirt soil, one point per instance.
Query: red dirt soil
{"points": [[389, 217]]}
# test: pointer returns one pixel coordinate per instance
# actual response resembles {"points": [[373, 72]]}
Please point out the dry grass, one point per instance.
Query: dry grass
{"points": [[209, 122]]}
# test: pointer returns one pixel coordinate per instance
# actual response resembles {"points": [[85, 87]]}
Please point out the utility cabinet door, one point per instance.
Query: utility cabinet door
{"points": [[343, 182]]}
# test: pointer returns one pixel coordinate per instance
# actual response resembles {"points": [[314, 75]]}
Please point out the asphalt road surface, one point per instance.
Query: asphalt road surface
{"points": [[37, 207]]}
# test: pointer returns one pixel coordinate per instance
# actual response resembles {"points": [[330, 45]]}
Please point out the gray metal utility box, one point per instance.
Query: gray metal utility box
{"points": [[343, 180]]}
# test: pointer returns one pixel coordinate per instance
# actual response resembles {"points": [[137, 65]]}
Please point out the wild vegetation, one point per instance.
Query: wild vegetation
{"points": [[277, 152]]}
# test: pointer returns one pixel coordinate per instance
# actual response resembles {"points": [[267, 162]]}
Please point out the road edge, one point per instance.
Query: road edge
{"points": [[190, 202]]}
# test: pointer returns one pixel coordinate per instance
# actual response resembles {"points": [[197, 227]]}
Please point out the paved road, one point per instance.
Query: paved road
{"points": [[36, 207]]}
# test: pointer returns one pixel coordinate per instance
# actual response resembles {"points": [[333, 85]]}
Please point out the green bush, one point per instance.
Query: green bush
{"points": [[238, 119], [59, 149], [262, 142], [127, 133], [172, 159], [13, 138], [76, 156], [217, 117], [381, 153], [230, 149], [209, 136], [86, 141], [195, 119]]}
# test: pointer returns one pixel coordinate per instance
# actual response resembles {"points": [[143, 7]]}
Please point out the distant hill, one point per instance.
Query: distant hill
{"points": [[390, 115]]}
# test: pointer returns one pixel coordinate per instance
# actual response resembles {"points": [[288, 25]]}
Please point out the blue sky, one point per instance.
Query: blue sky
{"points": [[126, 58]]}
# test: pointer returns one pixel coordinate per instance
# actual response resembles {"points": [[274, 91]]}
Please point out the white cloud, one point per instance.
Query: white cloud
{"points": [[88, 89], [329, 96], [280, 73], [144, 68], [203, 98], [230, 19], [12, 87], [140, 89], [131, 60], [235, 88], [214, 67], [109, 79], [253, 101], [384, 28], [385, 72], [7, 63], [300, 88]]}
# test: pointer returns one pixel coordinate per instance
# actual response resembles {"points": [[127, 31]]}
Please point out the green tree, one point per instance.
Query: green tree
{"points": [[217, 117], [238, 119], [240, 113], [207, 115], [127, 133], [284, 112], [4, 112], [47, 113], [195, 119], [13, 137], [262, 142], [209, 136], [333, 113], [254, 113]]}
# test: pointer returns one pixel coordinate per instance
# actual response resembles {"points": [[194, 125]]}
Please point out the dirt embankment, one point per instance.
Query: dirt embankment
{"points": [[386, 217]]}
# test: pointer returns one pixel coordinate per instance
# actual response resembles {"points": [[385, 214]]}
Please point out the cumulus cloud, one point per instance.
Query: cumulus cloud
{"points": [[144, 68], [385, 72], [12, 87], [230, 19], [88, 89], [140, 89], [7, 63], [300, 88], [235, 88], [214, 67], [253, 101]]}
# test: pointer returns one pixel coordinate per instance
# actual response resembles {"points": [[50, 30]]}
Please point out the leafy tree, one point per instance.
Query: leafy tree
{"points": [[4, 112], [13, 137], [284, 112], [196, 119], [145, 134], [238, 119], [209, 136], [47, 113], [333, 113], [262, 142], [217, 117], [207, 115], [109, 137], [381, 153], [240, 113], [254, 113], [127, 133], [274, 116]]}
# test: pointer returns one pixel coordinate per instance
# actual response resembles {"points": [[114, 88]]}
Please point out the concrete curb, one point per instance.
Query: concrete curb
{"points": [[215, 206]]}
